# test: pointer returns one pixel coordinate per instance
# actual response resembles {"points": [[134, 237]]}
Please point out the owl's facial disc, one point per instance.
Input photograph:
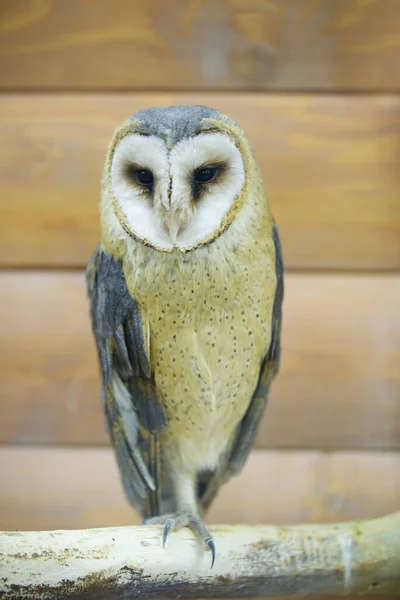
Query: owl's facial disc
{"points": [[178, 197]]}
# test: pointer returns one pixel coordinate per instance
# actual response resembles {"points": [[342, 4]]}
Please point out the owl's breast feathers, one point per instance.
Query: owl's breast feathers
{"points": [[210, 323]]}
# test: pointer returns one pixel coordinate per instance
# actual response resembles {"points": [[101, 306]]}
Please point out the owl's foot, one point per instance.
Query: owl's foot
{"points": [[185, 519]]}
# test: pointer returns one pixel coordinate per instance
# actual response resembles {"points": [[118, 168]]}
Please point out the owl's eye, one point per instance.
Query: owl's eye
{"points": [[205, 175], [144, 177]]}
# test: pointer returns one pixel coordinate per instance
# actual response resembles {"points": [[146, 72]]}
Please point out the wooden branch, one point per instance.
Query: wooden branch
{"points": [[129, 562]]}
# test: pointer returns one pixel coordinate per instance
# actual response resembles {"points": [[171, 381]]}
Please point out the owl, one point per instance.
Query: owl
{"points": [[186, 290]]}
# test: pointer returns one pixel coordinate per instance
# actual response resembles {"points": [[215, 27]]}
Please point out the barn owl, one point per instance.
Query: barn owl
{"points": [[185, 288]]}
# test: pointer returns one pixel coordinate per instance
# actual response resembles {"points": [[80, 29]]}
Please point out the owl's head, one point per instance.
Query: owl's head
{"points": [[175, 176]]}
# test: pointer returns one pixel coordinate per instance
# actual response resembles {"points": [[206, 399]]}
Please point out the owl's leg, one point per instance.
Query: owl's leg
{"points": [[187, 514]]}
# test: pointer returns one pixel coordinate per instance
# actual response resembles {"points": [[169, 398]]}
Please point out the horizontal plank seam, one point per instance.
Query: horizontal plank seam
{"points": [[259, 450], [383, 91], [60, 269]]}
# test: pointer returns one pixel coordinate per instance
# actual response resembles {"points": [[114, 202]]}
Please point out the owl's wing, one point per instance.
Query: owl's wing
{"points": [[247, 430], [133, 414]]}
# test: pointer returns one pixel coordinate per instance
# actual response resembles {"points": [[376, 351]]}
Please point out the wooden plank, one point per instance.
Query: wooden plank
{"points": [[330, 165], [339, 385], [48, 489], [227, 44]]}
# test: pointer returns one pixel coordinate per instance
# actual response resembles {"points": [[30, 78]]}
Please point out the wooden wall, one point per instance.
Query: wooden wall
{"points": [[316, 85]]}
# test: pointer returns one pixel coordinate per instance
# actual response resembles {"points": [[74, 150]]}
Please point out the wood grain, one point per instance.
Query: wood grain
{"points": [[53, 488], [339, 385], [200, 44], [330, 163]]}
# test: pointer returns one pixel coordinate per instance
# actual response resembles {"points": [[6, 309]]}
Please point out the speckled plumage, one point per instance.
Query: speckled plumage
{"points": [[210, 320], [208, 316]]}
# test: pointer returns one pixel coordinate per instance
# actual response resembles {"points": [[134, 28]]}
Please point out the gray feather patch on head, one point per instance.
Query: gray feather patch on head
{"points": [[173, 123]]}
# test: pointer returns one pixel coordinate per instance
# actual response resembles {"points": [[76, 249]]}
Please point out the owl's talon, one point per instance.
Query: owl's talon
{"points": [[184, 519], [211, 545], [167, 527]]}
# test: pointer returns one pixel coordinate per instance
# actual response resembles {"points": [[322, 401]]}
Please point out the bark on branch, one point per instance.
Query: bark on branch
{"points": [[129, 562]]}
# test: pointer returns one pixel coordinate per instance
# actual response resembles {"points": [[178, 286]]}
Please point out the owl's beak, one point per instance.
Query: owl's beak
{"points": [[175, 221], [172, 224]]}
